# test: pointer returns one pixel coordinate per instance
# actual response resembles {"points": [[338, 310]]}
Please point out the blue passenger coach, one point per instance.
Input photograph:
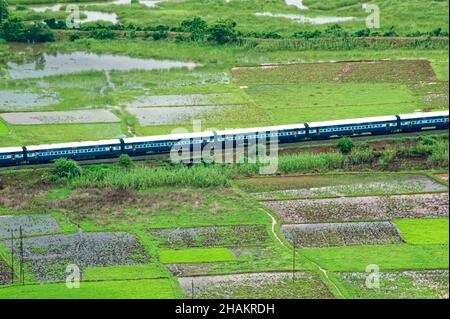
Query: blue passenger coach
{"points": [[78, 150], [135, 146]]}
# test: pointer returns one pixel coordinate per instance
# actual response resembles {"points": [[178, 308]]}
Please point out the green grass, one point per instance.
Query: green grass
{"points": [[47, 133], [195, 255], [431, 284], [151, 271], [424, 231], [3, 128], [387, 257], [299, 103], [133, 289], [361, 184], [406, 17]]}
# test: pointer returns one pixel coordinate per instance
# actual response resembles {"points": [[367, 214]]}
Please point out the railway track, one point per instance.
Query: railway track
{"points": [[164, 156]]}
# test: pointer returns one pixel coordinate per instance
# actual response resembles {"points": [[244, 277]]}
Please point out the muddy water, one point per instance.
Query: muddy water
{"points": [[304, 19], [12, 100], [175, 100], [169, 115], [60, 117], [66, 63]]}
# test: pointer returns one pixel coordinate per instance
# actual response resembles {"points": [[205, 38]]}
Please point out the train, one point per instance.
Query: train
{"points": [[139, 146]]}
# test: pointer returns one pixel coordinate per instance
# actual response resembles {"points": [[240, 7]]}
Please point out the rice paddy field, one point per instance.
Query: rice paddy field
{"points": [[152, 230]]}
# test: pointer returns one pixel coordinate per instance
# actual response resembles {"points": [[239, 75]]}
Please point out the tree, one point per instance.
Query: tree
{"points": [[66, 168], [39, 32], [196, 26], [13, 29], [335, 30], [4, 12], [345, 145], [223, 32]]}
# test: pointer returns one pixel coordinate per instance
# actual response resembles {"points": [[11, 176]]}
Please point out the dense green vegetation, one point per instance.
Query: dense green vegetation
{"points": [[200, 220], [424, 231]]}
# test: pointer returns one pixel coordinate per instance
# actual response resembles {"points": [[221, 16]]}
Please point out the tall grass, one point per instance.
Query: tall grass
{"points": [[145, 177], [309, 162]]}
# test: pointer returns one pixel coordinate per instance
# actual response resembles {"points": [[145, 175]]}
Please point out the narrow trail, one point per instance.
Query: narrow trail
{"points": [[274, 223], [324, 272]]}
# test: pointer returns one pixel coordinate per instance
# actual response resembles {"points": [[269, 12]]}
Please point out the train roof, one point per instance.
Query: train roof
{"points": [[10, 149], [72, 145], [354, 121], [171, 137], [424, 115], [261, 129]]}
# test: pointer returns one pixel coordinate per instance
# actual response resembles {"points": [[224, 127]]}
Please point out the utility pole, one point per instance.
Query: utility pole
{"points": [[192, 289], [12, 256], [21, 273], [294, 242]]}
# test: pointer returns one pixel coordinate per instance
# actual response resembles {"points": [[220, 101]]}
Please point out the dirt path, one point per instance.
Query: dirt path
{"points": [[274, 223], [323, 271]]}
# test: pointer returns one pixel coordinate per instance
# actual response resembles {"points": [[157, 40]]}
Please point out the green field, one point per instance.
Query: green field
{"points": [[154, 229], [424, 231], [135, 289], [415, 15], [387, 257], [170, 256]]}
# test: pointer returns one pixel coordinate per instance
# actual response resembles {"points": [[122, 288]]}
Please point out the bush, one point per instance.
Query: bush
{"points": [[40, 32], [223, 32], [361, 157], [387, 157], [4, 12], [159, 35], [102, 34], [74, 36], [125, 161], [66, 168], [14, 29], [345, 145]]}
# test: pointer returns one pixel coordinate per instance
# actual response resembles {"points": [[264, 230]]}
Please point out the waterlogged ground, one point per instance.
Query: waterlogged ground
{"points": [[361, 208], [66, 63], [342, 234], [48, 256], [68, 117], [256, 286], [318, 186], [30, 224], [431, 284]]}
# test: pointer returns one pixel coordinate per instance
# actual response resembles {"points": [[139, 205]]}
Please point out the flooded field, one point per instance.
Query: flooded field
{"points": [[178, 100], [305, 19], [31, 225], [235, 236], [48, 256], [316, 186], [65, 117], [423, 284], [66, 63], [170, 115], [342, 234], [5, 273], [255, 285], [361, 208], [13, 99]]}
